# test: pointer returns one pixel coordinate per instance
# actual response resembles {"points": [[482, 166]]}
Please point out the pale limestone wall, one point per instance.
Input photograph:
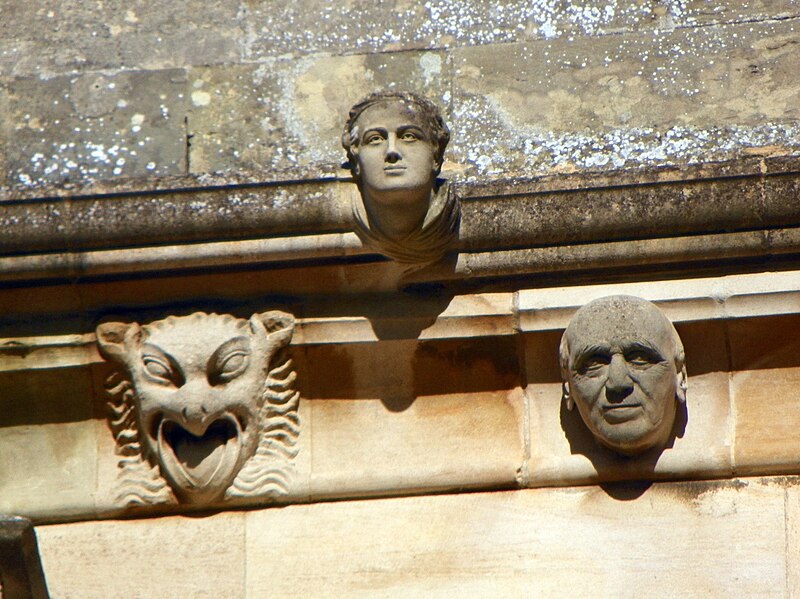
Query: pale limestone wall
{"points": [[466, 399], [713, 539], [415, 397], [128, 94]]}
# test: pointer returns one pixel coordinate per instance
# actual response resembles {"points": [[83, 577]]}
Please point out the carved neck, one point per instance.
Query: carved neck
{"points": [[397, 214]]}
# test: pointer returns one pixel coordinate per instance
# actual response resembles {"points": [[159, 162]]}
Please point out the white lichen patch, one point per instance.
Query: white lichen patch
{"points": [[533, 151], [201, 98], [444, 23]]}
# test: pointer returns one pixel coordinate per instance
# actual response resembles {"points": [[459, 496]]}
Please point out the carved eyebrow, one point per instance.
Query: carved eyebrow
{"points": [[645, 347], [598, 348], [231, 345], [153, 351], [587, 351], [382, 130]]}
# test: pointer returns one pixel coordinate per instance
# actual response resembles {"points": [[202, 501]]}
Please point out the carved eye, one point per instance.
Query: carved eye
{"points": [[229, 361], [158, 369], [642, 359], [593, 364], [373, 138], [233, 365], [410, 136]]}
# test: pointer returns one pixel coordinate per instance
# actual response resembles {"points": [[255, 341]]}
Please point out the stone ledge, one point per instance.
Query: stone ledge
{"points": [[518, 228], [482, 315]]}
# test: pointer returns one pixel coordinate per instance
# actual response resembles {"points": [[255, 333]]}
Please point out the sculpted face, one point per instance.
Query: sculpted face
{"points": [[394, 152], [199, 383], [623, 363]]}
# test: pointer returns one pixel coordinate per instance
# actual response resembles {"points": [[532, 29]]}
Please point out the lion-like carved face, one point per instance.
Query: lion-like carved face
{"points": [[199, 386]]}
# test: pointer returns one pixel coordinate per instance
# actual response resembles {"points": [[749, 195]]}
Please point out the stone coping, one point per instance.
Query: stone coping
{"points": [[484, 315], [508, 228]]}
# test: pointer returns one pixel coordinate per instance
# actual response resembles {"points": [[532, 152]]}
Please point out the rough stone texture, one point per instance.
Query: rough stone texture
{"points": [[446, 414], [561, 446], [543, 87], [318, 26], [705, 539], [629, 212], [793, 539], [682, 96], [94, 126], [281, 115], [49, 435], [732, 538], [55, 37], [167, 557], [764, 386]]}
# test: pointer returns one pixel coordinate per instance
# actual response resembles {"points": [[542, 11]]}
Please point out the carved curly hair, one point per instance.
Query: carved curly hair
{"points": [[427, 110]]}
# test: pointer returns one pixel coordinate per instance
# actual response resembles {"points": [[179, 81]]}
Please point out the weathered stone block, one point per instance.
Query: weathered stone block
{"points": [[274, 28], [288, 115], [765, 355], [673, 97], [402, 416], [49, 441], [73, 36], [564, 452], [793, 540], [167, 557], [669, 540], [94, 126]]}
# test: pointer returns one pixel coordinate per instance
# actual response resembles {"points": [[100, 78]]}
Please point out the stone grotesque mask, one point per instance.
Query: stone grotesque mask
{"points": [[395, 143], [622, 363], [204, 402]]}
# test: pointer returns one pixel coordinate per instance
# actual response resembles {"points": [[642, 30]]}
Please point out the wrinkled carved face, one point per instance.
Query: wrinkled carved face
{"points": [[199, 383], [394, 150], [622, 373]]}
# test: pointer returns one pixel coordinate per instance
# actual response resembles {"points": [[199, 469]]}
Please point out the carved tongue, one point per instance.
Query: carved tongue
{"points": [[197, 463], [200, 456]]}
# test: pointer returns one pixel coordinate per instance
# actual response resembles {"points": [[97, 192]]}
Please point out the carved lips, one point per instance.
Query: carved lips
{"points": [[201, 466]]}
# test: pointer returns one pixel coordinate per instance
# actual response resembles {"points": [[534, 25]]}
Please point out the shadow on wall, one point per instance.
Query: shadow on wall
{"points": [[398, 371], [608, 464]]}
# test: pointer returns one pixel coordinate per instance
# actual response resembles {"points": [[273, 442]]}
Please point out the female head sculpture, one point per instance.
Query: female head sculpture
{"points": [[395, 143], [623, 365]]}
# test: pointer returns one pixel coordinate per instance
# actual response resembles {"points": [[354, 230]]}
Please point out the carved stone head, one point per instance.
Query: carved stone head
{"points": [[622, 363], [395, 143], [381, 135], [200, 400]]}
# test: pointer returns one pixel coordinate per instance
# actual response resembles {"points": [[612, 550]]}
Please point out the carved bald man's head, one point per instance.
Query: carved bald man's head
{"points": [[623, 366]]}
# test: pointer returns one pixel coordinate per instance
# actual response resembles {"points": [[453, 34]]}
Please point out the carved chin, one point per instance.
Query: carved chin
{"points": [[200, 469]]}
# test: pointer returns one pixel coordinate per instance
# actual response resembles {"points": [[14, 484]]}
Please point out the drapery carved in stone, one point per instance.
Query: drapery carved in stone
{"points": [[395, 143], [203, 407]]}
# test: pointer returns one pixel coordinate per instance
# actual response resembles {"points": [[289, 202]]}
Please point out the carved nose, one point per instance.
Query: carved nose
{"points": [[195, 419], [392, 153], [618, 384]]}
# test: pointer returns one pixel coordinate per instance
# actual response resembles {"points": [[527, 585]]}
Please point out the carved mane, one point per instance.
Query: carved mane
{"points": [[268, 473]]}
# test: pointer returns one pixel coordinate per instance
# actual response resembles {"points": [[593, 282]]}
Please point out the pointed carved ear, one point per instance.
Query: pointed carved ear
{"points": [[276, 325], [113, 339], [682, 386]]}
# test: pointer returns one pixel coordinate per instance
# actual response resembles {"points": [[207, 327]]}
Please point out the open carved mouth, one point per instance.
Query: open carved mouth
{"points": [[200, 465]]}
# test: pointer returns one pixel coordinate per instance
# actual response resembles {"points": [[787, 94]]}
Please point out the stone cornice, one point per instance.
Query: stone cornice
{"points": [[482, 315], [570, 222]]}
